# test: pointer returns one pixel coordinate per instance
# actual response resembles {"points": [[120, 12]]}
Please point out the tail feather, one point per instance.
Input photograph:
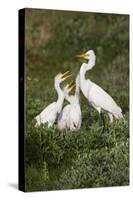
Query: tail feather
{"points": [[38, 120], [118, 113]]}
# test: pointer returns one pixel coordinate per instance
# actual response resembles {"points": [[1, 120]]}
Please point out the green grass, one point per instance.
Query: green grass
{"points": [[87, 158]]}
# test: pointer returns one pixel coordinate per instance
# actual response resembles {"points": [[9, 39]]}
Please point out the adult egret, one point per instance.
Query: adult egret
{"points": [[49, 114], [97, 97], [70, 116]]}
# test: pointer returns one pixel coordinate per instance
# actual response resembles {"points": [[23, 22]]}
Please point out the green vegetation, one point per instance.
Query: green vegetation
{"points": [[87, 158]]}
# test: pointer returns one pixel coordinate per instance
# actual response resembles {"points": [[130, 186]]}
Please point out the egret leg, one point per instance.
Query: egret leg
{"points": [[90, 114], [110, 117], [101, 118], [103, 122]]}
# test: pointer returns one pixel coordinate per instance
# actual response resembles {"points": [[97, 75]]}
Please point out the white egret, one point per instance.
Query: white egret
{"points": [[97, 97], [49, 114], [70, 116], [63, 119]]}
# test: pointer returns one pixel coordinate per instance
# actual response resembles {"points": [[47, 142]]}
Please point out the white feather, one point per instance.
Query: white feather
{"points": [[50, 113], [64, 119], [97, 97], [70, 117]]}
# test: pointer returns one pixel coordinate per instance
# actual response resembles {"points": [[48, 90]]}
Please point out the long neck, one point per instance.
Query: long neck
{"points": [[68, 97], [85, 67], [60, 96], [77, 91]]}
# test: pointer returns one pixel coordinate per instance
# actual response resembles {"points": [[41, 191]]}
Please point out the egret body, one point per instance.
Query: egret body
{"points": [[97, 97], [70, 117], [49, 114]]}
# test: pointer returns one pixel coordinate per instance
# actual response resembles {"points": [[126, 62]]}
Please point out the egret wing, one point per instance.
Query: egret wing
{"points": [[49, 113], [75, 115], [63, 119], [100, 98]]}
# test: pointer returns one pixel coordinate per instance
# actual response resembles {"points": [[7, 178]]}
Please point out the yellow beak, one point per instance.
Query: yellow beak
{"points": [[71, 86], [65, 75], [83, 55]]}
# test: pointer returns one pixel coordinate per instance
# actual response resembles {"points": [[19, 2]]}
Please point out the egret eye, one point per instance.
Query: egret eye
{"points": [[87, 55]]}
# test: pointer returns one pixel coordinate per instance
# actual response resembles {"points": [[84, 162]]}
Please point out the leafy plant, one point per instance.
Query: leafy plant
{"points": [[87, 158]]}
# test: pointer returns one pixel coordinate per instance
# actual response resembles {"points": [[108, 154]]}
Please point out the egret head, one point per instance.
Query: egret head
{"points": [[62, 76], [69, 87], [89, 55]]}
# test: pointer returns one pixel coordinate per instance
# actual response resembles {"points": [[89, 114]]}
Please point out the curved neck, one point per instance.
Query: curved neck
{"points": [[60, 96], [85, 67], [68, 97]]}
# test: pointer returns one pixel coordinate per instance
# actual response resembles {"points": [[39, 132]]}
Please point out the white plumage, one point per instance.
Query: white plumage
{"points": [[64, 119], [49, 114], [97, 97], [70, 117]]}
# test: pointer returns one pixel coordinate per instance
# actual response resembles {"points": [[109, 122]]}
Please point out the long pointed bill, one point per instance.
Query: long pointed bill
{"points": [[72, 87], [64, 74], [70, 84], [83, 55], [64, 78]]}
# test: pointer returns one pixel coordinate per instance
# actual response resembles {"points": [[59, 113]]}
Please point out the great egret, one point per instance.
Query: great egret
{"points": [[49, 114], [70, 116], [63, 118], [97, 97]]}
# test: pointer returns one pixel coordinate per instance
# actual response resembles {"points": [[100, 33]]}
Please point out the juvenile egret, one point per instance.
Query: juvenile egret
{"points": [[49, 114], [70, 116], [63, 118], [97, 97]]}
